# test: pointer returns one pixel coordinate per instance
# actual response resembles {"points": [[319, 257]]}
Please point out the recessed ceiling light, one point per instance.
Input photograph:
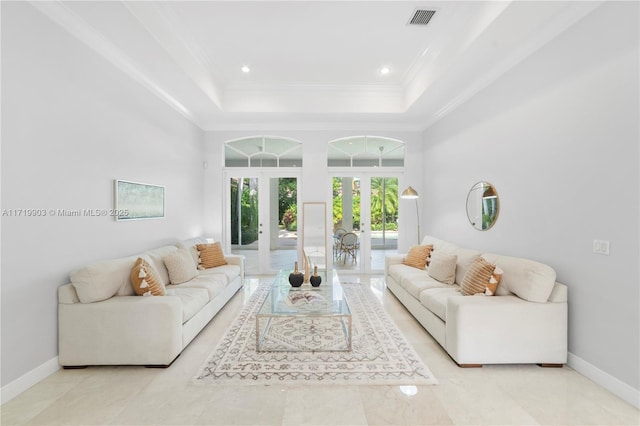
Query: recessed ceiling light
{"points": [[385, 70], [245, 69]]}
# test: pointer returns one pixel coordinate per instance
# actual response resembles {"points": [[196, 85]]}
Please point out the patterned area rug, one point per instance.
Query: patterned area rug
{"points": [[380, 354]]}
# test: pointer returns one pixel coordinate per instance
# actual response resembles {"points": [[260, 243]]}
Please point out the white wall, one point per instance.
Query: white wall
{"points": [[315, 178], [71, 123], [558, 137]]}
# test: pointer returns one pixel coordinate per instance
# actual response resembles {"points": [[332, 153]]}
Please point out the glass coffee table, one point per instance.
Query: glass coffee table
{"points": [[306, 318]]}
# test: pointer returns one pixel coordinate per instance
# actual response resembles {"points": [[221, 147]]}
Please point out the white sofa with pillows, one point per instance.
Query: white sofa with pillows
{"points": [[144, 309], [525, 321]]}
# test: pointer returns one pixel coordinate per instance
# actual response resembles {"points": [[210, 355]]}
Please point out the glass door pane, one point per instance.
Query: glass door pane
{"points": [[346, 224], [244, 220], [384, 219], [283, 220], [263, 219]]}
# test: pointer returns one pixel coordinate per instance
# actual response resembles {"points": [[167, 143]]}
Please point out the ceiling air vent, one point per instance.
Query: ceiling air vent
{"points": [[422, 17]]}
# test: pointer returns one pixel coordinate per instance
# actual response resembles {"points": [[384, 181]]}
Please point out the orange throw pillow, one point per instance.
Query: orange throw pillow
{"points": [[418, 256], [492, 285], [145, 279], [211, 255], [477, 277]]}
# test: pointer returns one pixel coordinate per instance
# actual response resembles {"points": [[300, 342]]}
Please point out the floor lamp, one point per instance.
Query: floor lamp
{"points": [[412, 194]]}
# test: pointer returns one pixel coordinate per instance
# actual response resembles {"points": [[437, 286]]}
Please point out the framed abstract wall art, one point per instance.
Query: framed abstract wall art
{"points": [[135, 200]]}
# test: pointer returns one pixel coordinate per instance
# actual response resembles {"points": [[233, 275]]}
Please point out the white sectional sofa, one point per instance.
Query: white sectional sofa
{"points": [[525, 322], [102, 322]]}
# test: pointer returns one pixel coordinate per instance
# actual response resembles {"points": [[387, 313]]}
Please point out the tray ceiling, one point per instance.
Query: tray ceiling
{"points": [[314, 63]]}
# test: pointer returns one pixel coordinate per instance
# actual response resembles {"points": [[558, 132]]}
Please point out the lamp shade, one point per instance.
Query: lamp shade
{"points": [[409, 194]]}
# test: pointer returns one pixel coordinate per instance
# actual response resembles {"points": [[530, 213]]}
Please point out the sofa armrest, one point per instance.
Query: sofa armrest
{"points": [[121, 330], [236, 259], [392, 259], [505, 329]]}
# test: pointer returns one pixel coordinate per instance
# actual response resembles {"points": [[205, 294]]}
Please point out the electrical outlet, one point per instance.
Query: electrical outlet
{"points": [[601, 247]]}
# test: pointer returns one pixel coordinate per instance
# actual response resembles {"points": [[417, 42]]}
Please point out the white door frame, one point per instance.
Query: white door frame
{"points": [[365, 174], [264, 176]]}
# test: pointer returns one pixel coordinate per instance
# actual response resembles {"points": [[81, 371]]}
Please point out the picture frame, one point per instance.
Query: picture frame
{"points": [[136, 201]]}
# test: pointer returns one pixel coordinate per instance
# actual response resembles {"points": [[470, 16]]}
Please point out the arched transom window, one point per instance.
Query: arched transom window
{"points": [[366, 151], [263, 151]]}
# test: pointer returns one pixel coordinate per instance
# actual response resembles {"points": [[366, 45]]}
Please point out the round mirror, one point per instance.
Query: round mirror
{"points": [[482, 206]]}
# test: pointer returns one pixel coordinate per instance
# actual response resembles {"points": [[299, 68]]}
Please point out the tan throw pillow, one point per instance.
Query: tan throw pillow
{"points": [[477, 277], [418, 256], [180, 266], [211, 255], [492, 285], [443, 267], [146, 280]]}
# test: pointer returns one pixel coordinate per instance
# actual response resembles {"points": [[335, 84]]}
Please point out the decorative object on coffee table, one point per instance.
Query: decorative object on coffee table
{"points": [[315, 278], [296, 278], [307, 273]]}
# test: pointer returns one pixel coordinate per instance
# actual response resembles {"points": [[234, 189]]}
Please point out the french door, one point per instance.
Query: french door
{"points": [[262, 218], [365, 207]]}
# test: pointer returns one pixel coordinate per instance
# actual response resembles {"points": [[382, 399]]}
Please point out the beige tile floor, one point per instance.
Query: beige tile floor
{"points": [[504, 395]]}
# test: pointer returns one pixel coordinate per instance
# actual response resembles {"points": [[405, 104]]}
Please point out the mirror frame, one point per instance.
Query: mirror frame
{"points": [[314, 223], [484, 186]]}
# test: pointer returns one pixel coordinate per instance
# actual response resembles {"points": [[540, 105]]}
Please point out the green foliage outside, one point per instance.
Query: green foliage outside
{"points": [[248, 209], [287, 203], [287, 207], [384, 205]]}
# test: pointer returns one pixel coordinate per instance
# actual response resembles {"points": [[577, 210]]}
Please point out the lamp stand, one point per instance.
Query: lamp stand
{"points": [[418, 217]]}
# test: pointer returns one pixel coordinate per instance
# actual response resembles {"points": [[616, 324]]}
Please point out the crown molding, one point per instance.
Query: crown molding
{"points": [[555, 27], [276, 126], [162, 24], [59, 13]]}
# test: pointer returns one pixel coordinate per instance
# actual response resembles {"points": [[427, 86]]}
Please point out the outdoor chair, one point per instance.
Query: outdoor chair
{"points": [[337, 236], [349, 247]]}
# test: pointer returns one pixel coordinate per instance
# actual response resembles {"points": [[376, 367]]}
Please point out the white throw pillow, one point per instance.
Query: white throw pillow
{"points": [[157, 261], [102, 280], [443, 267], [180, 266]]}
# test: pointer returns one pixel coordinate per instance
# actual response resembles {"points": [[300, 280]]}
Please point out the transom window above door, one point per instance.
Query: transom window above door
{"points": [[263, 151], [366, 151]]}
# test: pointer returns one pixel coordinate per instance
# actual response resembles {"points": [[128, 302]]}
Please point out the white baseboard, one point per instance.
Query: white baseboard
{"points": [[607, 381], [21, 384]]}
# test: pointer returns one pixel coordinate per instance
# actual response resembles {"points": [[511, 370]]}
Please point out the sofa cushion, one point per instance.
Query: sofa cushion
{"points": [[528, 279], [443, 267], [399, 271], [418, 256], [190, 246], [211, 255], [465, 259], [230, 272], [191, 299], [180, 266], [415, 285], [102, 280], [157, 256], [439, 245], [477, 277], [435, 299], [213, 283], [145, 279]]}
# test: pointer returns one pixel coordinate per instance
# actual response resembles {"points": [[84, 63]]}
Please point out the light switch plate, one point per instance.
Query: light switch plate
{"points": [[601, 247]]}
